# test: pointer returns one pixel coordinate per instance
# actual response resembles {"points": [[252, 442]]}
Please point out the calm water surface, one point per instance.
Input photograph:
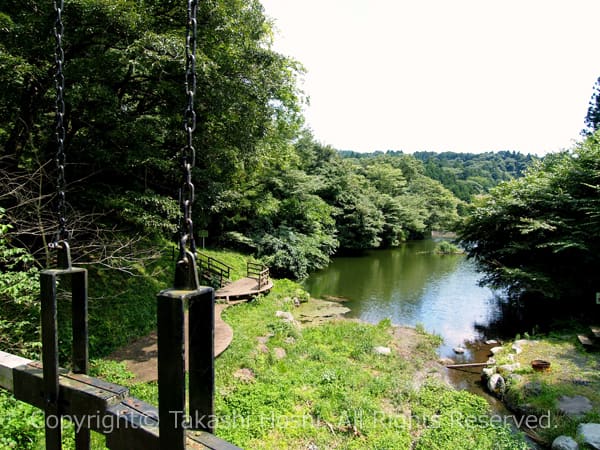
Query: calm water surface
{"points": [[411, 285]]}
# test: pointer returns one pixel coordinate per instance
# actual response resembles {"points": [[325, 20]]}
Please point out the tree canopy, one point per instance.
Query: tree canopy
{"points": [[540, 234]]}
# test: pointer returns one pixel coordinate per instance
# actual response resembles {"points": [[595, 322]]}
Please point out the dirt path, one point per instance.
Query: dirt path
{"points": [[140, 357]]}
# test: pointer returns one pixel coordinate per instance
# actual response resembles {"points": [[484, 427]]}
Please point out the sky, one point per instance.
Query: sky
{"points": [[443, 75]]}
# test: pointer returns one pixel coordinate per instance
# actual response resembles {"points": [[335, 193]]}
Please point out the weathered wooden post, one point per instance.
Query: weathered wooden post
{"points": [[174, 417], [49, 282]]}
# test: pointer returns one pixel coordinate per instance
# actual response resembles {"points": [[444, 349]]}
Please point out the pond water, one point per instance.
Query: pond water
{"points": [[411, 285]]}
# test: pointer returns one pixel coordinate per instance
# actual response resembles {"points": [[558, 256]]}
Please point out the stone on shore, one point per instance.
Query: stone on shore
{"points": [[590, 433], [564, 443], [574, 407]]}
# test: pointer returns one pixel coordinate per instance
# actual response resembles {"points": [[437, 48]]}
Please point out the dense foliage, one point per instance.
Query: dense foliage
{"points": [[540, 234], [262, 184], [465, 174]]}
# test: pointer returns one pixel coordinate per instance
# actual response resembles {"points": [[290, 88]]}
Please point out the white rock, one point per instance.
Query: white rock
{"points": [[495, 350], [382, 350], [496, 384], [518, 350], [487, 372], [564, 443], [459, 350], [491, 342], [590, 433]]}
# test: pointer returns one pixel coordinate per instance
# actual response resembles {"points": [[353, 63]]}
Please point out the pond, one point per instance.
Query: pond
{"points": [[411, 285]]}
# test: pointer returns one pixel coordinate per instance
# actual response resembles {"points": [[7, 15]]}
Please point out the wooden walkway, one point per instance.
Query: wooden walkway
{"points": [[242, 289]]}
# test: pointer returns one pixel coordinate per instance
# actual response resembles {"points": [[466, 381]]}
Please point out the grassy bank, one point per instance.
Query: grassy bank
{"points": [[573, 372], [281, 385]]}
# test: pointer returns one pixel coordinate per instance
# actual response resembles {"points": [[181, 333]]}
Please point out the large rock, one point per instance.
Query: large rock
{"points": [[590, 434], [564, 443], [496, 384], [495, 350], [575, 407]]}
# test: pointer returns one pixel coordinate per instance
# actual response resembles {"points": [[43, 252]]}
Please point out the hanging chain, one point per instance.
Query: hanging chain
{"points": [[60, 159], [188, 159]]}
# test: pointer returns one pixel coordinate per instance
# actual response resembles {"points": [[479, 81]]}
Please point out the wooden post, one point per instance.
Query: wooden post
{"points": [[173, 416], [49, 280], [201, 328], [171, 369]]}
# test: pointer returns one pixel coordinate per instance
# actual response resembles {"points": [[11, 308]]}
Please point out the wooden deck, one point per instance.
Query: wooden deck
{"points": [[242, 289]]}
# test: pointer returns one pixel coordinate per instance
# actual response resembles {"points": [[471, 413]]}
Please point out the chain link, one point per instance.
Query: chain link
{"points": [[60, 158], [188, 159]]}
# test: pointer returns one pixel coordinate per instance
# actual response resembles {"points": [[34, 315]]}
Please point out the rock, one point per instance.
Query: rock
{"points": [[446, 361], [564, 443], [496, 384], [510, 357], [263, 339], [495, 350], [514, 378], [508, 368], [491, 342], [290, 340], [244, 374], [458, 350], [262, 348], [296, 302], [590, 434], [517, 349], [487, 372], [491, 361], [382, 350], [286, 316], [574, 407], [279, 353], [532, 389]]}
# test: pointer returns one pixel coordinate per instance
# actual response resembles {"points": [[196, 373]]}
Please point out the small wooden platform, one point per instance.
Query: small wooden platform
{"points": [[585, 341], [595, 331], [242, 289]]}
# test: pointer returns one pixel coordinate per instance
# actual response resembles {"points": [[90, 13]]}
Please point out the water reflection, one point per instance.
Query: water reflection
{"points": [[411, 285]]}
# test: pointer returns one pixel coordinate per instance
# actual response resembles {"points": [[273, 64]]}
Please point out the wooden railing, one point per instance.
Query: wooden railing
{"points": [[94, 404], [213, 269], [259, 272]]}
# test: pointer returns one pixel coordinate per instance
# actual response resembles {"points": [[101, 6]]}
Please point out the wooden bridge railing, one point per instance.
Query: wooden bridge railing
{"points": [[185, 415], [210, 267], [94, 404], [259, 272]]}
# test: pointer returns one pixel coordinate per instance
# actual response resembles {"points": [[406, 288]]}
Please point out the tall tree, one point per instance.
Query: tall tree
{"points": [[592, 118]]}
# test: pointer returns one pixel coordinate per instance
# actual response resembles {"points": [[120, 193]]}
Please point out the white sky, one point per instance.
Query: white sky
{"points": [[443, 75]]}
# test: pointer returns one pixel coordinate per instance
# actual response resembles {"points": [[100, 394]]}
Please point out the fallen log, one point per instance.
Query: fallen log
{"points": [[458, 366]]}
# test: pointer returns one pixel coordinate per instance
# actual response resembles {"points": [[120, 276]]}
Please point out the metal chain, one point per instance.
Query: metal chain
{"points": [[60, 159], [188, 159]]}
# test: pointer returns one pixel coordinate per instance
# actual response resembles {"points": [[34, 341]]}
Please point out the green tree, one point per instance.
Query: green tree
{"points": [[539, 234], [123, 122], [592, 118]]}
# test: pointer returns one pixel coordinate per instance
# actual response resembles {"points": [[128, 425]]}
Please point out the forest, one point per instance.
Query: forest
{"points": [[265, 186]]}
